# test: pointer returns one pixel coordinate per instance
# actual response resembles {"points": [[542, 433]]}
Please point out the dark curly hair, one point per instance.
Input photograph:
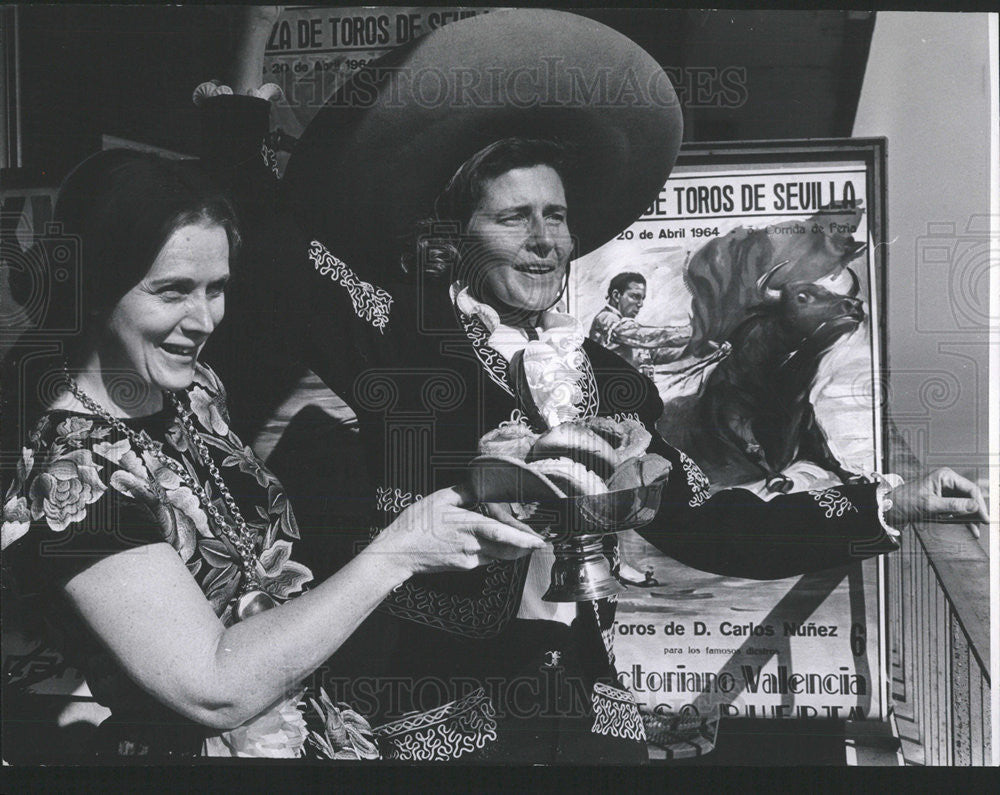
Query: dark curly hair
{"points": [[434, 248]]}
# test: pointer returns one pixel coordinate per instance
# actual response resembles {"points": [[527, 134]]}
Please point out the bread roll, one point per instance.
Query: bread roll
{"points": [[572, 477], [514, 440], [628, 438], [634, 442], [575, 441], [607, 428], [639, 471]]}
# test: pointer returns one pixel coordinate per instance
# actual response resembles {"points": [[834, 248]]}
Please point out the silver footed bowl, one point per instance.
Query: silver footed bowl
{"points": [[513, 486], [575, 526]]}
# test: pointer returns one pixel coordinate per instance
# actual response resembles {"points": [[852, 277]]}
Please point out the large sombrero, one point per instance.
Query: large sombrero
{"points": [[374, 158]]}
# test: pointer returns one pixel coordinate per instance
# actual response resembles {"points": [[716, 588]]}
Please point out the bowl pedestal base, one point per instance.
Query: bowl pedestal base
{"points": [[581, 572]]}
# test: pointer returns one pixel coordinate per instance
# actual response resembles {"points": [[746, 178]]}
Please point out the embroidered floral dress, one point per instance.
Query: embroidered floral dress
{"points": [[82, 492]]}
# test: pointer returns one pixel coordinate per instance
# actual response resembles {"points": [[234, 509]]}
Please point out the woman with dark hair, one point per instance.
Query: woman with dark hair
{"points": [[150, 538], [419, 249]]}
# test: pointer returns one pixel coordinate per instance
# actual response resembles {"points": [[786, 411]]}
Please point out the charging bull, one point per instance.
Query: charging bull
{"points": [[754, 413], [723, 274]]}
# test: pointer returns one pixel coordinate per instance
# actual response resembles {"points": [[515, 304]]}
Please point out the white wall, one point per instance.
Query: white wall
{"points": [[926, 89]]}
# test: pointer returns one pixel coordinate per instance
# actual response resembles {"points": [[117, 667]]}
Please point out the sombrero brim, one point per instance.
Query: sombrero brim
{"points": [[374, 158]]}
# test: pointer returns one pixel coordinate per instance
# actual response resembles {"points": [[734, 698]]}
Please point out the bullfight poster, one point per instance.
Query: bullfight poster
{"points": [[313, 50], [750, 293]]}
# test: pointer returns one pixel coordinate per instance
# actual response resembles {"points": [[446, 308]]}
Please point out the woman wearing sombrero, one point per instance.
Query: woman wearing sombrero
{"points": [[439, 197]]}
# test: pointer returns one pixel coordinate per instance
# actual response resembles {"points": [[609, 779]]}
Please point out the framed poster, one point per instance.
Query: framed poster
{"points": [[752, 292], [313, 50]]}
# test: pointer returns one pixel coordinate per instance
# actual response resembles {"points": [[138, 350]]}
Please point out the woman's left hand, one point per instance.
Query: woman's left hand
{"points": [[943, 496]]}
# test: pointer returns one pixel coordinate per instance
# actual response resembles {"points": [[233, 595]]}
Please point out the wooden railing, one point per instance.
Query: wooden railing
{"points": [[939, 646]]}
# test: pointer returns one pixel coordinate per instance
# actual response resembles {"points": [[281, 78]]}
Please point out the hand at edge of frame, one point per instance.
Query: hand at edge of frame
{"points": [[943, 496]]}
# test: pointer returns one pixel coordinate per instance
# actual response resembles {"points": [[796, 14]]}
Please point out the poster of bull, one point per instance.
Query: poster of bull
{"points": [[750, 293]]}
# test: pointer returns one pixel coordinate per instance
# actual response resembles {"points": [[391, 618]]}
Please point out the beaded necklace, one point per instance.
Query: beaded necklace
{"points": [[251, 599]]}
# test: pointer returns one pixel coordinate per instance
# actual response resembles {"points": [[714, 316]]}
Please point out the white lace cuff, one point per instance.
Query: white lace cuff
{"points": [[213, 88], [886, 483]]}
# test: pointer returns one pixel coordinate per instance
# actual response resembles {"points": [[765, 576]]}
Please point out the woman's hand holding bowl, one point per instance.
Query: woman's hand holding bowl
{"points": [[438, 534]]}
